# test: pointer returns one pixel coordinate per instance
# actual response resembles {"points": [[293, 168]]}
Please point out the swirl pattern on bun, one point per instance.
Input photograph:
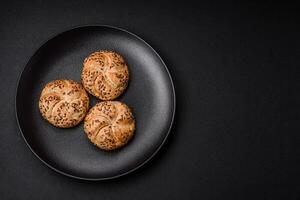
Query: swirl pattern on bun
{"points": [[105, 74], [63, 103], [109, 124]]}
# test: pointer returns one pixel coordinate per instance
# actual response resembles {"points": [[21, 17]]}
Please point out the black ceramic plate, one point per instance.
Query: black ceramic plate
{"points": [[150, 94]]}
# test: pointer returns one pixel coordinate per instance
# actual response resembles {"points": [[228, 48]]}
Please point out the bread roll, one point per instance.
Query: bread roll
{"points": [[109, 124], [105, 74], [63, 103]]}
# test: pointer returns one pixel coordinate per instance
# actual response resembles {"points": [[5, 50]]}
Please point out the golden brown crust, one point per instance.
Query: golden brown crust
{"points": [[105, 74], [109, 124], [63, 103]]}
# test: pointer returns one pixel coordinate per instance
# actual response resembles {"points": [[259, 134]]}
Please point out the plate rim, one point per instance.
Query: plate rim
{"points": [[100, 178]]}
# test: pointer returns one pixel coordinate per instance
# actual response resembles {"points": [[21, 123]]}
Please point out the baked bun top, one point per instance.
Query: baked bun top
{"points": [[105, 74], [109, 124], [63, 103]]}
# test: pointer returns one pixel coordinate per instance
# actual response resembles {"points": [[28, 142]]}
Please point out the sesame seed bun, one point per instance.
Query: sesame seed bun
{"points": [[63, 103], [105, 74], [109, 124]]}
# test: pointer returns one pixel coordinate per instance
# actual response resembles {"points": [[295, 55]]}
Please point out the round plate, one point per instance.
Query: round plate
{"points": [[150, 94]]}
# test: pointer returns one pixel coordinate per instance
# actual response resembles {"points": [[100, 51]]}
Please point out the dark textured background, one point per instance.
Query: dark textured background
{"points": [[236, 73]]}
